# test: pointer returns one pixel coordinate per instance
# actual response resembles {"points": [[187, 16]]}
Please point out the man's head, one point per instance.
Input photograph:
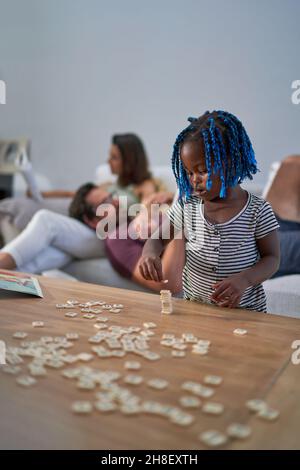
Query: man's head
{"points": [[86, 201]]}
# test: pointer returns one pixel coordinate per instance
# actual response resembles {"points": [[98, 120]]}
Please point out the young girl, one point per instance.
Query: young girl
{"points": [[231, 238]]}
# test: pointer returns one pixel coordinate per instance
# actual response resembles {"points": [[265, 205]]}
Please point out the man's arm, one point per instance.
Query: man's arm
{"points": [[54, 194]]}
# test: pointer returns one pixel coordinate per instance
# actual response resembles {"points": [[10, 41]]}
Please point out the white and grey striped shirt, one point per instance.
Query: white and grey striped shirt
{"points": [[216, 251]]}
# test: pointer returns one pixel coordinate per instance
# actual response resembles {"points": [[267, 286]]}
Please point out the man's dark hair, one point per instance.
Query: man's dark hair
{"points": [[79, 207]]}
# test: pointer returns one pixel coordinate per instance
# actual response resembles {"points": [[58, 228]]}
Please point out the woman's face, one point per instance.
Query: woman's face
{"points": [[115, 160]]}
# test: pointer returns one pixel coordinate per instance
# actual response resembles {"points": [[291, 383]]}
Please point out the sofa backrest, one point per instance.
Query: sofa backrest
{"points": [[162, 172]]}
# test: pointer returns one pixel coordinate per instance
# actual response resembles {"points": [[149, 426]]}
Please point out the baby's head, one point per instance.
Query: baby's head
{"points": [[212, 154]]}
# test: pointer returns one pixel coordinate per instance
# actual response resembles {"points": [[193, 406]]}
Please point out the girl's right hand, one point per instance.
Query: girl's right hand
{"points": [[150, 267]]}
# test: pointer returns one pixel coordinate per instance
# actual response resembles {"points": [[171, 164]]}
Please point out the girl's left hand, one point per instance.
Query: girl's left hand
{"points": [[228, 293]]}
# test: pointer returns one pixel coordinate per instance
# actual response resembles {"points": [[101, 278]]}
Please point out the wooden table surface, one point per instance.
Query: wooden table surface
{"points": [[255, 366]]}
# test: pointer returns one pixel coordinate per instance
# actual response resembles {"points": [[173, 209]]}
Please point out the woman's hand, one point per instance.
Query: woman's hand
{"points": [[150, 267], [145, 224], [162, 197], [228, 293]]}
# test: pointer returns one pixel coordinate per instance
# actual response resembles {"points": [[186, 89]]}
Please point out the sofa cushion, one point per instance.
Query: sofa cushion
{"points": [[99, 271], [283, 295], [161, 172]]}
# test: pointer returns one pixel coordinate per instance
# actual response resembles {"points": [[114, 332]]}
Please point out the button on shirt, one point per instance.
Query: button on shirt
{"points": [[217, 251]]}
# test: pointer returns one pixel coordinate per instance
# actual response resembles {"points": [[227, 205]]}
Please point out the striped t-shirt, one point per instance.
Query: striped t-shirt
{"points": [[217, 251]]}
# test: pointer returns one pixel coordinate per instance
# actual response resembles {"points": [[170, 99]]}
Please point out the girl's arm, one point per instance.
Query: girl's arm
{"points": [[229, 292], [269, 249], [150, 265], [173, 259]]}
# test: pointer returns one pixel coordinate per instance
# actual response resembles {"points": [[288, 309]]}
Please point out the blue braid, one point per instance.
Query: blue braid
{"points": [[246, 163], [234, 150], [207, 150], [217, 156], [182, 180]]}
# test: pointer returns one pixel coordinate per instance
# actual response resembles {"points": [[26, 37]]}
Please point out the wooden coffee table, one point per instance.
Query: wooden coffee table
{"points": [[257, 365]]}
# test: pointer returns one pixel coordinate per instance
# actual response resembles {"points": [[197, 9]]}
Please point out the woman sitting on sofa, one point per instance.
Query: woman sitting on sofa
{"points": [[51, 240]]}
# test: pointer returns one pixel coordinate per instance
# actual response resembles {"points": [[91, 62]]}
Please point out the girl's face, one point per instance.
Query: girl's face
{"points": [[193, 159], [115, 160]]}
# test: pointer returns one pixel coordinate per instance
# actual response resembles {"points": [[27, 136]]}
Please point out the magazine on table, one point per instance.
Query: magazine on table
{"points": [[20, 283]]}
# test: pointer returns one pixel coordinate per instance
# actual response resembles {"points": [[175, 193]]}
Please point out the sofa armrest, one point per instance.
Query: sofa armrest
{"points": [[283, 295]]}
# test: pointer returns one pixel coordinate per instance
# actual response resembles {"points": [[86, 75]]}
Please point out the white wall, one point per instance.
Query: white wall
{"points": [[77, 71]]}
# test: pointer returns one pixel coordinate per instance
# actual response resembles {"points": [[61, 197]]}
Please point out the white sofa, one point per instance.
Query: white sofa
{"points": [[283, 293]]}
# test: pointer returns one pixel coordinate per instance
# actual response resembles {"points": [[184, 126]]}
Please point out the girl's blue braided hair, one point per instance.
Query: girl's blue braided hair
{"points": [[227, 147]]}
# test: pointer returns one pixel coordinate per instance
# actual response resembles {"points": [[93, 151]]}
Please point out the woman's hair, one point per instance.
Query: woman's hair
{"points": [[79, 207], [227, 148], [135, 163]]}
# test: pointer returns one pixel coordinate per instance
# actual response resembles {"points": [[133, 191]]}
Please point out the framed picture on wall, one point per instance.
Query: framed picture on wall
{"points": [[9, 151]]}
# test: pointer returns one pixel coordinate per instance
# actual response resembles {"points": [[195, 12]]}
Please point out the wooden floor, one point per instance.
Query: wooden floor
{"points": [[255, 366]]}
